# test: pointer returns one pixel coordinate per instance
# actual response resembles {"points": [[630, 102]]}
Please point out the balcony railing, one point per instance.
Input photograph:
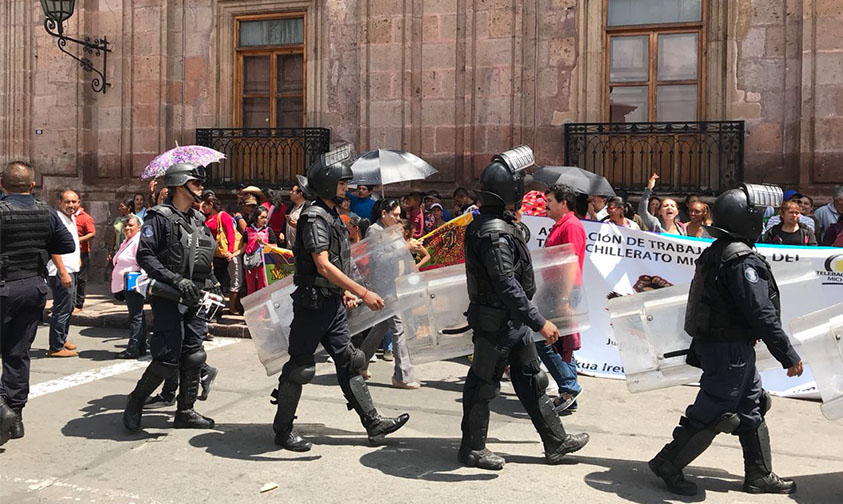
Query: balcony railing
{"points": [[263, 156], [690, 157]]}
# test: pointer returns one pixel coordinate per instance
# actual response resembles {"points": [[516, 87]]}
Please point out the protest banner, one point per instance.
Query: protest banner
{"points": [[620, 262], [277, 262], [445, 243]]}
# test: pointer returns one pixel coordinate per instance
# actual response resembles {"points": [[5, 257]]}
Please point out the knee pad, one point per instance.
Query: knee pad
{"points": [[298, 373], [765, 402], [352, 358], [194, 360], [541, 382]]}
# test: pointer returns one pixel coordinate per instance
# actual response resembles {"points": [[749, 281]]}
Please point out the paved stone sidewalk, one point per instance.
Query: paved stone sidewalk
{"points": [[102, 310]]}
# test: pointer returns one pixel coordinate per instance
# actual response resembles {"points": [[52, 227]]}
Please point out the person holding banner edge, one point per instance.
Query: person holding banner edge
{"points": [[500, 284], [559, 357], [324, 292], [732, 303]]}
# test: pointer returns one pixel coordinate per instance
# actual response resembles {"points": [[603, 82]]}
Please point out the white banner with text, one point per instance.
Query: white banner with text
{"points": [[620, 262]]}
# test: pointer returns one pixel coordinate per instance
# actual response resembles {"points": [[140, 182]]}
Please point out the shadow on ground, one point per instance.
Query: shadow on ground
{"points": [[633, 481], [102, 418], [252, 442]]}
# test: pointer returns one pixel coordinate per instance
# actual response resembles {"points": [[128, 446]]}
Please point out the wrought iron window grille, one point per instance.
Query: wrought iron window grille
{"points": [[263, 156], [691, 157]]}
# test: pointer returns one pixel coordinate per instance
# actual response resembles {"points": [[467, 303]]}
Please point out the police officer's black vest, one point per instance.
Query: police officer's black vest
{"points": [[190, 246], [339, 250], [492, 227], [24, 233], [709, 315]]}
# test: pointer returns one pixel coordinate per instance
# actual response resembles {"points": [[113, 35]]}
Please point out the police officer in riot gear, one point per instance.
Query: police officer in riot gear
{"points": [[500, 280], [175, 250], [733, 302], [29, 232], [324, 291]]}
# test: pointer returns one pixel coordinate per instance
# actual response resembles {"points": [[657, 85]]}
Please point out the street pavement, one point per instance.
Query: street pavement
{"points": [[76, 450]]}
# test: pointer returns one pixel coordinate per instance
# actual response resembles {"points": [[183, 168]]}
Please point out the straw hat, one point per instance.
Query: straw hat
{"points": [[254, 190]]}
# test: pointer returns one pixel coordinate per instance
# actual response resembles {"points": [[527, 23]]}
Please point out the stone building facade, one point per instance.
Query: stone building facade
{"points": [[454, 81]]}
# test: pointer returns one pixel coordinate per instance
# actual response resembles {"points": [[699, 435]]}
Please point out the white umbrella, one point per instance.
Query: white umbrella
{"points": [[386, 166]]}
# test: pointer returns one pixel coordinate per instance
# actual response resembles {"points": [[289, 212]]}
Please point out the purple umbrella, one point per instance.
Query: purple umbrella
{"points": [[193, 154]]}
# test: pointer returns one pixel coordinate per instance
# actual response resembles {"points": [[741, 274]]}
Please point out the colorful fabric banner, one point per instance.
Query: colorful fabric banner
{"points": [[445, 243], [620, 262], [277, 263]]}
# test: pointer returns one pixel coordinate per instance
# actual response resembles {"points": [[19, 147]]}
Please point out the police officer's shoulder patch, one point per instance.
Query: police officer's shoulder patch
{"points": [[751, 275], [147, 231]]}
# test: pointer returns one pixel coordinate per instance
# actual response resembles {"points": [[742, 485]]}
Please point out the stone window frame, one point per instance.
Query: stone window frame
{"points": [[224, 44], [272, 52], [652, 31], [719, 54]]}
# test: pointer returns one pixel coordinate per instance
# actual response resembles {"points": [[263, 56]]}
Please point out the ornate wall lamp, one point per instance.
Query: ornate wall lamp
{"points": [[59, 11]]}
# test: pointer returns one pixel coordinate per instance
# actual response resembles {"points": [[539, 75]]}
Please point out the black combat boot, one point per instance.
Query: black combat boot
{"points": [[190, 419], [475, 425], [758, 466], [557, 442], [7, 422], [186, 416], [689, 441], [359, 399], [17, 425], [289, 439], [287, 396], [377, 426], [154, 375]]}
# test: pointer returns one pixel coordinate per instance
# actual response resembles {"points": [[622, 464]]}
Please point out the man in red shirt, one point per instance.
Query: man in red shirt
{"points": [[277, 215], [559, 357], [87, 230]]}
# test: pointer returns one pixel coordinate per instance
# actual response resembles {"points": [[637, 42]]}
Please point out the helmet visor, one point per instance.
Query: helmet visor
{"points": [[763, 195]]}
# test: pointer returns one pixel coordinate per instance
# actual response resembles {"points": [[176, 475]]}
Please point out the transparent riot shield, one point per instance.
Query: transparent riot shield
{"points": [[649, 329], [435, 302], [269, 313], [378, 262], [821, 334]]}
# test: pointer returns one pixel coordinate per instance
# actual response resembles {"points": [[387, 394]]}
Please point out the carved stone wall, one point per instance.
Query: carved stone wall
{"points": [[454, 81]]}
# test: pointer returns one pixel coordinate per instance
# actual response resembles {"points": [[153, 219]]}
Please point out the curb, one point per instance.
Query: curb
{"points": [[228, 329]]}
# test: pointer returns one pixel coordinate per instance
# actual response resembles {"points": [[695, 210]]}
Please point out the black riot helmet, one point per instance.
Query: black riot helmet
{"points": [[739, 213], [502, 181], [324, 175], [180, 174]]}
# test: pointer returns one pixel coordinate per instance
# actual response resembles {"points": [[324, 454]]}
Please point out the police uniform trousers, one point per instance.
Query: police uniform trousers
{"points": [[177, 331], [326, 324], [21, 308], [512, 346], [322, 320], [729, 384]]}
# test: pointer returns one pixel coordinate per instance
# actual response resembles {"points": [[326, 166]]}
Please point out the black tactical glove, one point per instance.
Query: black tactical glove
{"points": [[190, 294]]}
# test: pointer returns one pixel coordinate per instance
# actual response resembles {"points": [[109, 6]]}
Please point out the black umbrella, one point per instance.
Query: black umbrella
{"points": [[582, 181]]}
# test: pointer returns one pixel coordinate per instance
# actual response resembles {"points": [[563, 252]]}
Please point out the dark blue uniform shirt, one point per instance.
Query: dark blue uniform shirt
{"points": [[745, 284]]}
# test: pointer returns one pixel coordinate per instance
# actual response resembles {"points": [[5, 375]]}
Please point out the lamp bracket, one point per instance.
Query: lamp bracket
{"points": [[95, 48]]}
